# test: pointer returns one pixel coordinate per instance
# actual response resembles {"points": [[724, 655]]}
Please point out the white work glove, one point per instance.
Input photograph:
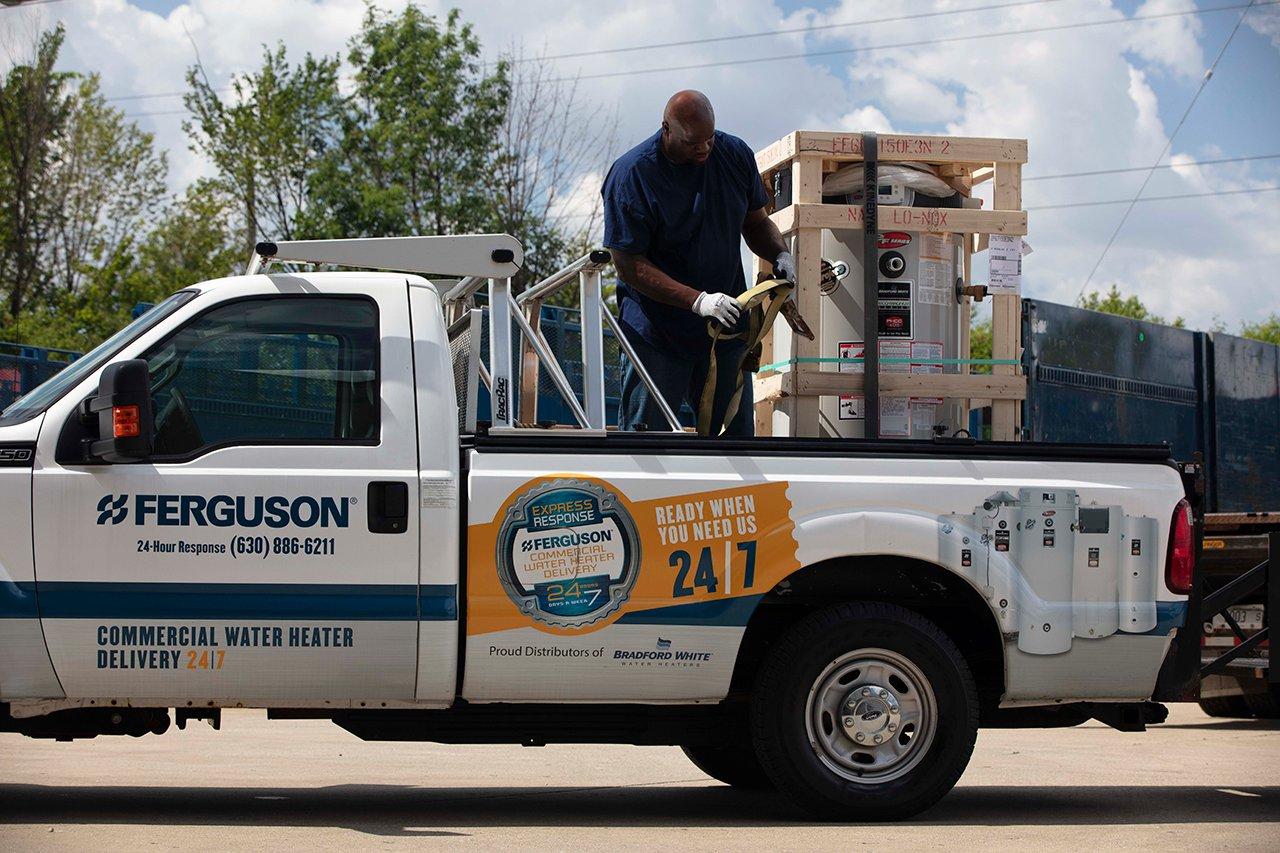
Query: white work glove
{"points": [[720, 307], [785, 267]]}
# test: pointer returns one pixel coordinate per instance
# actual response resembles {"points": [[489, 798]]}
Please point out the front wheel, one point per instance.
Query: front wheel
{"points": [[865, 712]]}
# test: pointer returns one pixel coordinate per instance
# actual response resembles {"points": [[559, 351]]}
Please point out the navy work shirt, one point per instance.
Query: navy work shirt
{"points": [[687, 220]]}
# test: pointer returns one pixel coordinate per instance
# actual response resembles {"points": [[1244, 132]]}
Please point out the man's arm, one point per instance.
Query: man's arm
{"points": [[640, 273]]}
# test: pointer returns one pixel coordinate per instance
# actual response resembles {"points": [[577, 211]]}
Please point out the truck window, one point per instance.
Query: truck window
{"points": [[287, 369]]}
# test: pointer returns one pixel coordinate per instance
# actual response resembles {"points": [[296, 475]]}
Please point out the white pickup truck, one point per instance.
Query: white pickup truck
{"points": [[258, 495]]}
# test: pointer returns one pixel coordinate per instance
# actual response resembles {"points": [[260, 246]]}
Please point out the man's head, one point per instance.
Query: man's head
{"points": [[688, 128]]}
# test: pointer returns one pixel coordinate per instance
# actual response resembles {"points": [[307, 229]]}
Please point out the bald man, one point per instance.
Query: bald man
{"points": [[675, 208]]}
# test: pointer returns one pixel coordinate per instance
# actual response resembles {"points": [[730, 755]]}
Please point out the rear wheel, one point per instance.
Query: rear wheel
{"points": [[865, 712], [1226, 706], [1265, 704]]}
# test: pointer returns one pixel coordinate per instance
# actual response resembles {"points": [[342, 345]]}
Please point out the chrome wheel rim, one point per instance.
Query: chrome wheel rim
{"points": [[871, 716]]}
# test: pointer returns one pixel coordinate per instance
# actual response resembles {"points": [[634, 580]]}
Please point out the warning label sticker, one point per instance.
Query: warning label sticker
{"points": [[851, 406]]}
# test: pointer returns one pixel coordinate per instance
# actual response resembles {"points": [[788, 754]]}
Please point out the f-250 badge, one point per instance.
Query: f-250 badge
{"points": [[568, 553]]}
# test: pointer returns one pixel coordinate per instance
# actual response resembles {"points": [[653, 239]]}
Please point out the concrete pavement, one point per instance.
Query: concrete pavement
{"points": [[1193, 783]]}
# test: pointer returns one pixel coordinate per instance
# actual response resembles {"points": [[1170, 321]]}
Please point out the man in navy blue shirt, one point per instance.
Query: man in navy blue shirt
{"points": [[675, 208]]}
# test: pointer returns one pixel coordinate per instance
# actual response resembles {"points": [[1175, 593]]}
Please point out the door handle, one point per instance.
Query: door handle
{"points": [[388, 507]]}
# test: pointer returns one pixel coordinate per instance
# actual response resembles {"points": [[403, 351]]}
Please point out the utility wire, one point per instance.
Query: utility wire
{"points": [[687, 42], [1144, 168], [1208, 75], [1245, 191], [811, 54], [786, 32], [818, 54]]}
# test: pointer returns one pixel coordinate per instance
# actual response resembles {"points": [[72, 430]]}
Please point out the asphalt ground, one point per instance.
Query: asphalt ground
{"points": [[1193, 783]]}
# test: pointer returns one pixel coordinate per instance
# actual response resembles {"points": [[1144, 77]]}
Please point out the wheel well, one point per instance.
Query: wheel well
{"points": [[935, 593]]}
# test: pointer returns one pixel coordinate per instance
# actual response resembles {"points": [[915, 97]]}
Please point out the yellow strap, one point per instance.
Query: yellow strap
{"points": [[760, 320]]}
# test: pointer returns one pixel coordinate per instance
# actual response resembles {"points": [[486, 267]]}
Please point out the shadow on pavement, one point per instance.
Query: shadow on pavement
{"points": [[394, 810], [1226, 726]]}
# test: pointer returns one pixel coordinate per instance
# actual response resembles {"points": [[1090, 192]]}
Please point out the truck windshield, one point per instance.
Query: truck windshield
{"points": [[39, 398]]}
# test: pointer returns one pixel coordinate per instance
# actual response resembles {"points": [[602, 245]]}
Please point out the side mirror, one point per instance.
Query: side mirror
{"points": [[123, 407]]}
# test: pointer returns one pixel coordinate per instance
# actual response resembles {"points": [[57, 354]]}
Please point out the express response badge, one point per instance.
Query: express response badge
{"points": [[568, 553]]}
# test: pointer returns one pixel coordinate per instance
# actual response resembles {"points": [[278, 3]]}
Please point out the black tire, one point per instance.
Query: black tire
{"points": [[1264, 704], [1226, 706], [851, 635], [735, 765]]}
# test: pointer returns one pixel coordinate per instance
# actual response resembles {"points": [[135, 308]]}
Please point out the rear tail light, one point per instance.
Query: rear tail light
{"points": [[125, 421], [1182, 557]]}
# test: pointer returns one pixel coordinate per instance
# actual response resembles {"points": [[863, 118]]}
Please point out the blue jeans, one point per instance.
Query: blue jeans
{"points": [[680, 379]]}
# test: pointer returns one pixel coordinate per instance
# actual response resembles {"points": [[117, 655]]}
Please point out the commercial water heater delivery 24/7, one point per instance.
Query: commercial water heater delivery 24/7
{"points": [[265, 493]]}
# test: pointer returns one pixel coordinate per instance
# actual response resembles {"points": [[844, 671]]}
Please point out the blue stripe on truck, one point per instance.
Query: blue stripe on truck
{"points": [[351, 602]]}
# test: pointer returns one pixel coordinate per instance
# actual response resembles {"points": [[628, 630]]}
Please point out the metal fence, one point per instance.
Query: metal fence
{"points": [[24, 367]]}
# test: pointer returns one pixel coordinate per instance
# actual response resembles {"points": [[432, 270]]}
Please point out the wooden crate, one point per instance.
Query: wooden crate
{"points": [[963, 162]]}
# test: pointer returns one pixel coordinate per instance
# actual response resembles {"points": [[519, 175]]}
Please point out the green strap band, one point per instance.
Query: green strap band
{"points": [[784, 366]]}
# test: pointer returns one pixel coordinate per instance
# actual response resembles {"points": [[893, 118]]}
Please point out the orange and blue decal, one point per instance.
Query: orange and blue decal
{"points": [[570, 554]]}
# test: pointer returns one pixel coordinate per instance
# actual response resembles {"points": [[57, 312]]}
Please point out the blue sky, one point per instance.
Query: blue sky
{"points": [[1104, 97]]}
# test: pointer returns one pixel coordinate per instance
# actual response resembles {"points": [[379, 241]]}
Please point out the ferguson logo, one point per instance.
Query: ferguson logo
{"points": [[226, 510], [112, 508]]}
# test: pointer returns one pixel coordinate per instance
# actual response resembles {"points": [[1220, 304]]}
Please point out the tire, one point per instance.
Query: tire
{"points": [[878, 665], [1264, 704], [1226, 706], [735, 765]]}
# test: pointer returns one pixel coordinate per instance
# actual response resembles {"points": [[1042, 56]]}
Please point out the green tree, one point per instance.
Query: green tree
{"points": [[418, 145], [267, 138], [1113, 302], [979, 340], [33, 114], [109, 182], [193, 241], [80, 184], [557, 147], [1264, 330]]}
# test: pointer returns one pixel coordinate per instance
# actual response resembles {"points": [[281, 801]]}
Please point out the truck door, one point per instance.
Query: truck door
{"points": [[265, 551]]}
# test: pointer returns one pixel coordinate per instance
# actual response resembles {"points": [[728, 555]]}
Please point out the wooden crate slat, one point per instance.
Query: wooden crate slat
{"points": [[893, 218]]}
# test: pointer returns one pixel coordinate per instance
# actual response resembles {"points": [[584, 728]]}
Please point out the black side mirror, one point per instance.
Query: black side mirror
{"points": [[123, 407]]}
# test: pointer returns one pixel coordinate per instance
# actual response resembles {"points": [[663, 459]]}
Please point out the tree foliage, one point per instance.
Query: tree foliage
{"points": [[409, 133], [33, 113], [267, 138], [81, 186], [419, 132], [557, 148], [1113, 302]]}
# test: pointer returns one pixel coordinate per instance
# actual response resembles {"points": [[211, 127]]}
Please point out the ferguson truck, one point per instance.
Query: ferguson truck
{"points": [[269, 492]]}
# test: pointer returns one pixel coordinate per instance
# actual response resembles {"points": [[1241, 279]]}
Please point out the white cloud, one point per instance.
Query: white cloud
{"points": [[1266, 21], [1172, 43], [1084, 98]]}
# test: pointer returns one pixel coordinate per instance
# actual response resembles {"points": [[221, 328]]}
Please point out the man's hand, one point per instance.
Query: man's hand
{"points": [[784, 266], [720, 307]]}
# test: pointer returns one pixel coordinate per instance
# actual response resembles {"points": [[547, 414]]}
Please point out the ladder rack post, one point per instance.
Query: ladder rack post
{"points": [[590, 305], [500, 351]]}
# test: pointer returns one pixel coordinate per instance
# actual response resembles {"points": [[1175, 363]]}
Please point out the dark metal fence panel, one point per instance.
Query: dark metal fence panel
{"points": [[24, 367], [1246, 424], [1095, 377]]}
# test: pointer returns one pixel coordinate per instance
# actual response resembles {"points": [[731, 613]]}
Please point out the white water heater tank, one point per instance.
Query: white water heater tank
{"points": [[920, 326]]}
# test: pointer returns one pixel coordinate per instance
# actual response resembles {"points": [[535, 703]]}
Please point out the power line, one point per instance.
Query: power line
{"points": [[1208, 75], [818, 54], [1144, 168], [785, 32], [708, 40], [1156, 198]]}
